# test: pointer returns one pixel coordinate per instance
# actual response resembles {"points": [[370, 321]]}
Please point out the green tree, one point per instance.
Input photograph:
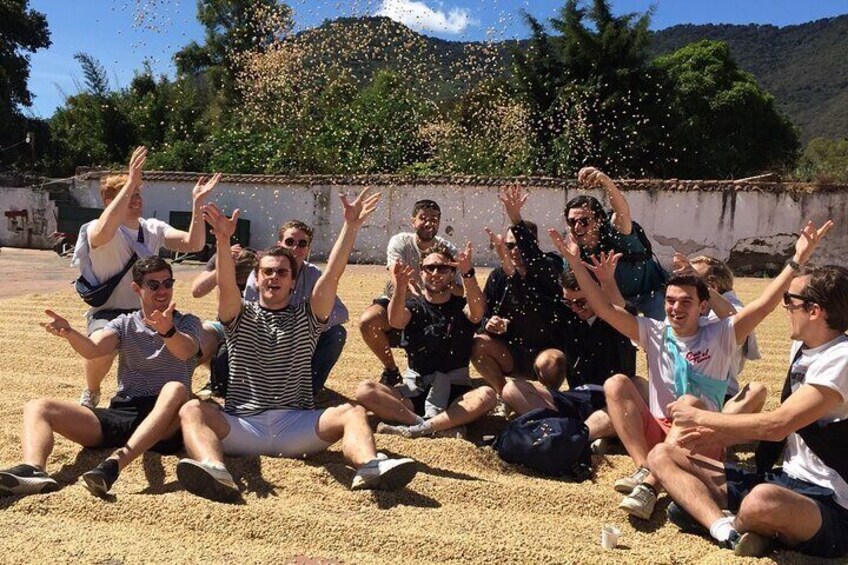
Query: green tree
{"points": [[22, 31], [824, 160], [725, 125]]}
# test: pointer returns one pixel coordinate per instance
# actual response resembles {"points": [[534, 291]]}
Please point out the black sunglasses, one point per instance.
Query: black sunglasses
{"points": [[574, 221], [271, 271], [579, 302], [441, 269], [292, 242], [154, 285], [511, 244], [788, 296]]}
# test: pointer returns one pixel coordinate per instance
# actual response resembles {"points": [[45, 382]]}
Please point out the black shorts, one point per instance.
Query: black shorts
{"points": [[124, 415], [523, 361], [596, 399], [395, 336], [832, 538], [456, 392]]}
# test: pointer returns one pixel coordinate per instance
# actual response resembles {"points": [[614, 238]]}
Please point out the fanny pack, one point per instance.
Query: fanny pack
{"points": [[97, 295]]}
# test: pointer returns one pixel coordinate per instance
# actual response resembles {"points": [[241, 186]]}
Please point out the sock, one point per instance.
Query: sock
{"points": [[422, 429], [419, 420], [651, 488], [721, 529]]}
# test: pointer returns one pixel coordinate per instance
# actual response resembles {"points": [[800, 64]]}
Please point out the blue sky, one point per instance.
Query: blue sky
{"points": [[123, 34]]}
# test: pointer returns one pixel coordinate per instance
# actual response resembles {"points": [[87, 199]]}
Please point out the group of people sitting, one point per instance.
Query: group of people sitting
{"points": [[542, 320]]}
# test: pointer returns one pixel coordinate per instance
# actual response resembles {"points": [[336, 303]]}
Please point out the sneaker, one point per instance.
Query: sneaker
{"points": [[627, 484], [600, 446], [384, 474], [26, 479], [99, 480], [89, 399], [502, 409], [687, 524], [640, 502], [390, 377], [749, 544], [207, 480]]}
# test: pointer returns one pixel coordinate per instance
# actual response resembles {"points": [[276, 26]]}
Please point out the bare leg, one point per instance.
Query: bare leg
{"points": [[209, 342], [374, 327], [749, 400], [386, 402], [45, 416], [524, 396], [600, 425], [350, 424], [472, 406], [626, 408], [162, 422], [204, 426], [770, 510], [492, 359]]}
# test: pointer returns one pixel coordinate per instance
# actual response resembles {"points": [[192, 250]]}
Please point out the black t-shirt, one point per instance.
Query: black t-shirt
{"points": [[438, 337], [595, 352]]}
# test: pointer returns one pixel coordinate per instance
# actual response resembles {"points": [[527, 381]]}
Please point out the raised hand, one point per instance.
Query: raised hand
{"points": [[137, 160], [590, 176], [356, 212], [809, 239], [681, 264], [160, 321], [463, 259], [203, 187], [222, 226], [57, 325], [604, 268], [402, 274], [566, 246], [513, 199], [235, 250]]}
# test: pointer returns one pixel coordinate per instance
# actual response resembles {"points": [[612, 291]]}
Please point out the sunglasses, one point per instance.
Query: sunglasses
{"points": [[511, 244], [441, 269], [788, 296], [292, 242], [584, 222], [271, 271], [154, 285], [580, 302]]}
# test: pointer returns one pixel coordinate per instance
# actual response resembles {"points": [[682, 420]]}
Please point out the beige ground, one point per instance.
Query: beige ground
{"points": [[464, 506]]}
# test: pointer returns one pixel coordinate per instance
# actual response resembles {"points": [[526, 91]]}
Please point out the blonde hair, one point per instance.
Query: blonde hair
{"points": [[111, 185], [718, 274]]}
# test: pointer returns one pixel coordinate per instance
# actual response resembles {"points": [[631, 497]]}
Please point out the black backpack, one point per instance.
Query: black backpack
{"points": [[551, 442]]}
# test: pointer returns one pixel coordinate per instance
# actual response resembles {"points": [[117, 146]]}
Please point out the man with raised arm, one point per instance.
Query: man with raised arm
{"points": [[803, 505], [436, 394], [107, 245], [156, 348], [640, 277], [686, 362], [269, 408]]}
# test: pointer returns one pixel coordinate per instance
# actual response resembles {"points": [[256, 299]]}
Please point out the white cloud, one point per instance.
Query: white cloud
{"points": [[420, 17]]}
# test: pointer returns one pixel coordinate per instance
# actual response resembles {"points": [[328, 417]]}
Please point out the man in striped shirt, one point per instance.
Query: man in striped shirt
{"points": [[156, 348], [269, 408]]}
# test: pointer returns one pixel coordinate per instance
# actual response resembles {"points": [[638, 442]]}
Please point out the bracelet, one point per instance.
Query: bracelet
{"points": [[794, 265], [169, 333], [470, 274]]}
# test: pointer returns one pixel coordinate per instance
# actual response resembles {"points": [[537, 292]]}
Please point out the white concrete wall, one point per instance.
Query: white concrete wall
{"points": [[708, 222], [33, 232]]}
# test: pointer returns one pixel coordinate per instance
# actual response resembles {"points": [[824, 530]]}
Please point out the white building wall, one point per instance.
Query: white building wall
{"points": [[32, 230]]}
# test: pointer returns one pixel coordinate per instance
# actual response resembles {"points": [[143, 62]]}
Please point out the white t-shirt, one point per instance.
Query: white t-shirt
{"points": [[827, 366], [107, 260], [709, 352], [747, 351], [402, 246]]}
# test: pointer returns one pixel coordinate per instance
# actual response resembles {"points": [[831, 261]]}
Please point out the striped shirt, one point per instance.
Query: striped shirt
{"points": [[270, 358], [145, 363]]}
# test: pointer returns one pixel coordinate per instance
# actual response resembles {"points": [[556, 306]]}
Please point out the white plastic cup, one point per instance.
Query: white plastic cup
{"points": [[609, 536]]}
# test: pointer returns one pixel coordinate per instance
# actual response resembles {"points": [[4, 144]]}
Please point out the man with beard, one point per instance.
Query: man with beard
{"points": [[523, 304], [640, 277], [436, 394], [687, 363], [407, 247]]}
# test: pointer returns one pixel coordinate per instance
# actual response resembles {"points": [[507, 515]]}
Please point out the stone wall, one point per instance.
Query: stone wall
{"points": [[29, 218], [748, 223]]}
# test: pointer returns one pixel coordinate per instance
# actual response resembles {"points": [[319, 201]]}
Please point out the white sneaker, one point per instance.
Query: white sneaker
{"points": [[600, 446], [207, 480], [26, 479], [640, 502], [89, 399], [384, 474], [626, 485]]}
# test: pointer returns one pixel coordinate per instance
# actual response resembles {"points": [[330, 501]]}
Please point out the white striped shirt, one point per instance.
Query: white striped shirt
{"points": [[270, 358], [145, 363]]}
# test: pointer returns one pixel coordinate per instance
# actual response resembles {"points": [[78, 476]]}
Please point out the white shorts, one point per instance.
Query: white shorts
{"points": [[278, 433]]}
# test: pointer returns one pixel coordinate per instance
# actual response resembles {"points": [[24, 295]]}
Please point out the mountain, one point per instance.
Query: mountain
{"points": [[803, 66]]}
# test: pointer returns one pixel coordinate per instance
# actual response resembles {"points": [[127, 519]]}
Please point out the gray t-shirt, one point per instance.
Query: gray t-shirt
{"points": [[145, 363], [402, 247]]}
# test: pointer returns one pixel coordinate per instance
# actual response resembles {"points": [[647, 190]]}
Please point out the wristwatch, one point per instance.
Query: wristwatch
{"points": [[470, 274], [169, 333]]}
